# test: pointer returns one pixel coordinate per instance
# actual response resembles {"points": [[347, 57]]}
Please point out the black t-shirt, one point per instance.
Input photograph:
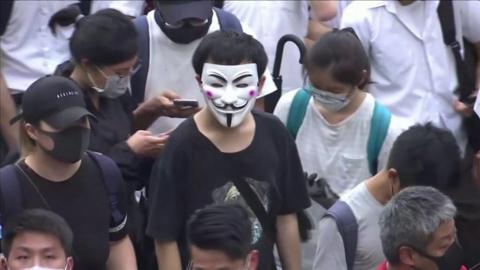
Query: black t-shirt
{"points": [[193, 173], [83, 202]]}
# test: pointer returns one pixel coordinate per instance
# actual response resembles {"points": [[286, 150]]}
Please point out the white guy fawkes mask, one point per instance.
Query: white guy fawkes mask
{"points": [[230, 91]]}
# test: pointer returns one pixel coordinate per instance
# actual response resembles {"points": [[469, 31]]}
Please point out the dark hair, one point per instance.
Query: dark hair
{"points": [[341, 54], [107, 37], [426, 155], [41, 221], [226, 228], [229, 48]]}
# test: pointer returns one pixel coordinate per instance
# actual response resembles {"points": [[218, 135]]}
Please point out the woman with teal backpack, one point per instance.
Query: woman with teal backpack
{"points": [[342, 134]]}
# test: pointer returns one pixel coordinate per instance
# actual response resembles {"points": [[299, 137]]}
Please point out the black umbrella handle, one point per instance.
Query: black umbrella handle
{"points": [[279, 52]]}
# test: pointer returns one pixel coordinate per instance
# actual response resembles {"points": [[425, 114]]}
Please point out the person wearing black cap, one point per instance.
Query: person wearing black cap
{"points": [[57, 174]]}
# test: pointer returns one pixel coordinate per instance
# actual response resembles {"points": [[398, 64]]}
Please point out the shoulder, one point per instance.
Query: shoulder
{"points": [[264, 119], [283, 106]]}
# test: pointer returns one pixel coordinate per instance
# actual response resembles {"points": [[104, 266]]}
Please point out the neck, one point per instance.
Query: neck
{"points": [[80, 77], [49, 168], [406, 2], [380, 188], [397, 267]]}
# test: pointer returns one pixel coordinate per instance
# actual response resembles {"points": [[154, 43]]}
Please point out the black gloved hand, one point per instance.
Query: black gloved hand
{"points": [[320, 191]]}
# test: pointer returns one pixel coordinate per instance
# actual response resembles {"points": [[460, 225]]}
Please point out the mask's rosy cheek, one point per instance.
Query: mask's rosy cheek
{"points": [[252, 92], [208, 93]]}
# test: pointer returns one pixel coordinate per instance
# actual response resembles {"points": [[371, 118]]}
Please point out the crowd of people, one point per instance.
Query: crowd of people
{"points": [[139, 135]]}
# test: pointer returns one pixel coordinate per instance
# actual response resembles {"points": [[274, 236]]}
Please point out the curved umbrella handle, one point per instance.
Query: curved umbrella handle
{"points": [[279, 52]]}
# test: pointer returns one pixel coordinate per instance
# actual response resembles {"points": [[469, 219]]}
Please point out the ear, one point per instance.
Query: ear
{"points": [[31, 131], [261, 83], [254, 259], [3, 263], [393, 178], [199, 81], [69, 263], [405, 254], [364, 80]]}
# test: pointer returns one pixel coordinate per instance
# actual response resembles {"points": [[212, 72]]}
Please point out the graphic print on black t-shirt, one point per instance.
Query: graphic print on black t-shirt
{"points": [[229, 194]]}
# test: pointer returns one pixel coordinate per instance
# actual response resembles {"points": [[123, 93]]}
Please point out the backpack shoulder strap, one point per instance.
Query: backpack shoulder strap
{"points": [[297, 111], [6, 8], [347, 227], [378, 132], [11, 192], [139, 79], [112, 178], [228, 21], [256, 205]]}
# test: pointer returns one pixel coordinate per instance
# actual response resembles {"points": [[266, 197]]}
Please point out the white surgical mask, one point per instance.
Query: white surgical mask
{"points": [[330, 101], [230, 91], [115, 86]]}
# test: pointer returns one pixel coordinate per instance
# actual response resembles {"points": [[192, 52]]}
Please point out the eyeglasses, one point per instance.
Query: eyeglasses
{"points": [[132, 71], [246, 267], [191, 22]]}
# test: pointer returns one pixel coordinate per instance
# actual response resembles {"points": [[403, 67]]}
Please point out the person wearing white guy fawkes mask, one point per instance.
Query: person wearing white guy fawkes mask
{"points": [[229, 153]]}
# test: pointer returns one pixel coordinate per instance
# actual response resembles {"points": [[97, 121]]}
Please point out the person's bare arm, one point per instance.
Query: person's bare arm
{"points": [[7, 111], [324, 10], [315, 30], [122, 255], [168, 256], [288, 242]]}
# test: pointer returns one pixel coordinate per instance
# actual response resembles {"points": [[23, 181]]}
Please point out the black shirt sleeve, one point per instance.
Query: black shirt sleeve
{"points": [[167, 209]]}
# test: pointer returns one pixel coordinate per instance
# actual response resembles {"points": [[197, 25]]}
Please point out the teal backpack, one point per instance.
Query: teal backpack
{"points": [[378, 128]]}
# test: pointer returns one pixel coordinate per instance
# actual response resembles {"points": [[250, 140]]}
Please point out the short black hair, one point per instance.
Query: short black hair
{"points": [[41, 221], [340, 53], [426, 155], [107, 37], [229, 48], [221, 227]]}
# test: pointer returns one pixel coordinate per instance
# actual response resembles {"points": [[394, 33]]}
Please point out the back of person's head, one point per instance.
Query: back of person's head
{"points": [[229, 48], [37, 221], [224, 228], [426, 155], [410, 222], [340, 54], [104, 38]]}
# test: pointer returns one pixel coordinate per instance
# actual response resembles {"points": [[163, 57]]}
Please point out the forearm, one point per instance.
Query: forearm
{"points": [[168, 256], [144, 116], [288, 242], [122, 255], [7, 112], [315, 31], [324, 10]]}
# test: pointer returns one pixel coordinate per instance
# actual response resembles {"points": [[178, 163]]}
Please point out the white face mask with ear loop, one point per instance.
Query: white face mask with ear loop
{"points": [[115, 86], [330, 101]]}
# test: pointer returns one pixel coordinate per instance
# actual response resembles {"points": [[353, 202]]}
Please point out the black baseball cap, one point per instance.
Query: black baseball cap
{"points": [[54, 99], [175, 11]]}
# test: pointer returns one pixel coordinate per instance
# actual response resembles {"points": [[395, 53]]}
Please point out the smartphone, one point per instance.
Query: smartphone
{"points": [[185, 103]]}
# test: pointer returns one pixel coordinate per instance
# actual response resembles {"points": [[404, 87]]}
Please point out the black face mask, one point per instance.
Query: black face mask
{"points": [[69, 144], [184, 34], [451, 260]]}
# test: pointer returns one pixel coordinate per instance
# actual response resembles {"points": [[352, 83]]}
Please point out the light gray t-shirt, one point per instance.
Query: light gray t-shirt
{"points": [[330, 253]]}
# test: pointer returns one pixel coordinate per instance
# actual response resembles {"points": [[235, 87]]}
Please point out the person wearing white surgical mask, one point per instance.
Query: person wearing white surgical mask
{"points": [[334, 133], [37, 239]]}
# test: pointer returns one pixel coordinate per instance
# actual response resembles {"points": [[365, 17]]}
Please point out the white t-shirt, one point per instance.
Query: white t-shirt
{"points": [[270, 20], [130, 8], [330, 252], [170, 68], [28, 49], [476, 107], [338, 152], [413, 71]]}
